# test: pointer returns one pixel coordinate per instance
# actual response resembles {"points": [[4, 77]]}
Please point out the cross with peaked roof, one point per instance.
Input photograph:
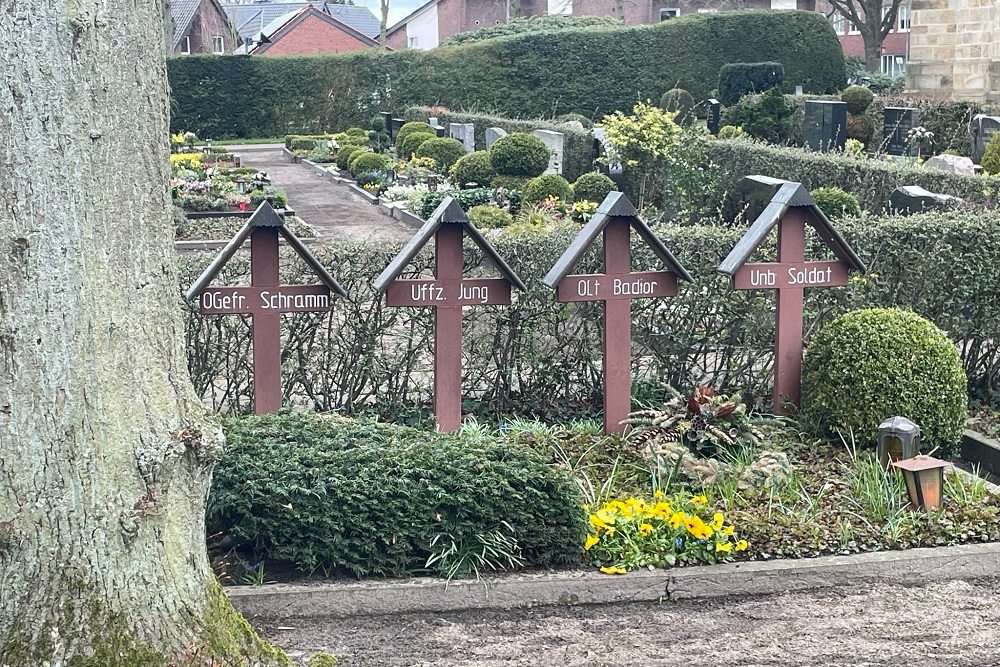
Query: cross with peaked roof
{"points": [[616, 287], [265, 299], [790, 209], [448, 293]]}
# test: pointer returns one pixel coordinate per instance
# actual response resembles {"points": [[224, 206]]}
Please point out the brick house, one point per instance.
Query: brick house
{"points": [[895, 46], [437, 20], [309, 30], [200, 26], [250, 20]]}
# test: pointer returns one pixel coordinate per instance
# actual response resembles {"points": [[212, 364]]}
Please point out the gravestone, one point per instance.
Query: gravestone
{"points": [[396, 123], [439, 131], [434, 122], [493, 134], [464, 132], [266, 298], [825, 125], [790, 210], [908, 199], [952, 164], [615, 219], [982, 128], [448, 293], [554, 142], [387, 122], [896, 124], [714, 117]]}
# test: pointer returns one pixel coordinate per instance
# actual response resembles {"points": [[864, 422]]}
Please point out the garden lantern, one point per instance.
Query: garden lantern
{"points": [[207, 148], [898, 439], [924, 477], [241, 185]]}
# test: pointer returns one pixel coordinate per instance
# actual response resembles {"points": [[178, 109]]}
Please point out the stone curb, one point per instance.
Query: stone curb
{"points": [[981, 449], [375, 598]]}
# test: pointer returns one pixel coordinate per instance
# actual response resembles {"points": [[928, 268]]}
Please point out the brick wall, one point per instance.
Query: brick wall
{"points": [[314, 35], [451, 18], [208, 22]]}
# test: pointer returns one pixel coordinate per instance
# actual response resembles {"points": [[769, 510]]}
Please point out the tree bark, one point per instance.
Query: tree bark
{"points": [[384, 24], [105, 454], [873, 50]]}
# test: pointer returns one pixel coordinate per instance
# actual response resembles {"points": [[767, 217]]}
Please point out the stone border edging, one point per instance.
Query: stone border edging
{"points": [[981, 449], [374, 598]]}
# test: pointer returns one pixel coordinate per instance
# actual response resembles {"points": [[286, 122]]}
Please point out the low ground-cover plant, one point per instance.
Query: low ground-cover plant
{"points": [[340, 496]]}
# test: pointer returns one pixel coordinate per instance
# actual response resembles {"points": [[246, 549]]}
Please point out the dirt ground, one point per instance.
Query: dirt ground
{"points": [[954, 624], [331, 210]]}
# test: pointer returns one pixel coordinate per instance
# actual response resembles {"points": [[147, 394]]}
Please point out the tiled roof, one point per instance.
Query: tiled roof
{"points": [[182, 12], [250, 20]]}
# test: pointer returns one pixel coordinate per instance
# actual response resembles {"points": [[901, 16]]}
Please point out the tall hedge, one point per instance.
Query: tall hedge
{"points": [[591, 70]]}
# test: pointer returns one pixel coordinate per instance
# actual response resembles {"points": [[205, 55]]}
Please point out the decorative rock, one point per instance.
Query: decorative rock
{"points": [[953, 164], [464, 132], [915, 199], [493, 134], [575, 124], [554, 142]]}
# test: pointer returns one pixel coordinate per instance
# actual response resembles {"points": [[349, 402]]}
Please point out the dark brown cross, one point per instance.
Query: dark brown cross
{"points": [[448, 293], [265, 299], [616, 287], [790, 209]]}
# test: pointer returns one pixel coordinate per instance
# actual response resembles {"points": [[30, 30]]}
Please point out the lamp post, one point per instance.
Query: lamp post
{"points": [[924, 477], [898, 439]]}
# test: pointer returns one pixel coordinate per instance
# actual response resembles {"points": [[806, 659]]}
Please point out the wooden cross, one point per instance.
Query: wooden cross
{"points": [[448, 293], [265, 299], [790, 209], [616, 287]]}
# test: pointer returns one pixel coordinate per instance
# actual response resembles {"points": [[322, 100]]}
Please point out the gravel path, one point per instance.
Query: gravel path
{"points": [[333, 211], [953, 624]]}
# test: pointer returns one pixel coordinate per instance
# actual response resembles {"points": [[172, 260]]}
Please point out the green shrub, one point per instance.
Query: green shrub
{"points": [[474, 168], [519, 154], [524, 76], [408, 146], [730, 132], [767, 117], [323, 660], [681, 102], [487, 216], [857, 99], [867, 365], [991, 156], [465, 198], [444, 151], [541, 188], [545, 23], [739, 79], [861, 128], [592, 186], [509, 182], [836, 203], [345, 155], [377, 123], [413, 127], [357, 133], [369, 499], [366, 163]]}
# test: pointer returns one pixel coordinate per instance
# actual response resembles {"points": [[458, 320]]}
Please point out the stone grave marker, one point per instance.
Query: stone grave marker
{"points": [[554, 142], [982, 128], [790, 210], [616, 287], [439, 131], [897, 122], [493, 134], [464, 132], [825, 125], [266, 298], [714, 117], [908, 199], [434, 122], [387, 121], [448, 293]]}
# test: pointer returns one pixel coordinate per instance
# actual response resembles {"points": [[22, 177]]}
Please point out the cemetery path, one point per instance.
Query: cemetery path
{"points": [[952, 623], [334, 212]]}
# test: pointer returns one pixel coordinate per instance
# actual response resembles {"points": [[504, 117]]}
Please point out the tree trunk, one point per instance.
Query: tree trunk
{"points": [[384, 25], [873, 50], [620, 10], [105, 458]]}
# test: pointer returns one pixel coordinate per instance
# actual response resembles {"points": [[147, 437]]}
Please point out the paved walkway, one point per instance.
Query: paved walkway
{"points": [[332, 210], [953, 624]]}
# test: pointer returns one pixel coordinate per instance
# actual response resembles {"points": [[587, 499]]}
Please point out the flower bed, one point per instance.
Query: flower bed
{"points": [[196, 186]]}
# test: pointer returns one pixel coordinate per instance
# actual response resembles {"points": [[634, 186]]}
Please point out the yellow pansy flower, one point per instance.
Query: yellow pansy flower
{"points": [[727, 531], [724, 547], [677, 519], [591, 541], [699, 500], [716, 521], [658, 494], [645, 529], [742, 545], [613, 570], [660, 509]]}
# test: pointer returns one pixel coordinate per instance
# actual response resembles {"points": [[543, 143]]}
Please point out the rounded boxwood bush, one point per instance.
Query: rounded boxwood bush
{"points": [[861, 128], [681, 102], [412, 127], [368, 499], [519, 154], [991, 156], [836, 203], [592, 186], [366, 163], [360, 135], [730, 131], [473, 168], [406, 148], [377, 123], [345, 155], [509, 182], [444, 151], [867, 365], [541, 188], [857, 99], [488, 216]]}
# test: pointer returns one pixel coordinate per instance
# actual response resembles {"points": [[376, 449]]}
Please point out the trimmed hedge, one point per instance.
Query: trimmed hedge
{"points": [[739, 79], [592, 71], [578, 145], [872, 182], [367, 499]]}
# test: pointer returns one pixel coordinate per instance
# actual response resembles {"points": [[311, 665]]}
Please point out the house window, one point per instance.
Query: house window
{"points": [[186, 46], [903, 18], [412, 42], [839, 23], [218, 44], [667, 14], [853, 28], [894, 65]]}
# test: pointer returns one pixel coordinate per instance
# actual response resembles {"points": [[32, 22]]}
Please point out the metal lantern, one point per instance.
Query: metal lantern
{"points": [[898, 439], [241, 185], [924, 477]]}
